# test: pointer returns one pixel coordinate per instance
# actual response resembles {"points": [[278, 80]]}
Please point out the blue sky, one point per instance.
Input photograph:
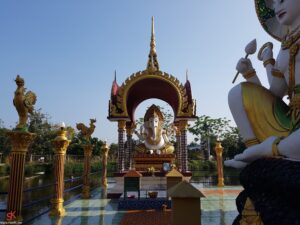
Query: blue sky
{"points": [[67, 52]]}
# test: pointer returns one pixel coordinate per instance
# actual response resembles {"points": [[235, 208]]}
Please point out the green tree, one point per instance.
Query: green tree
{"points": [[5, 146], [97, 145], [75, 146], [39, 124], [113, 152], [207, 128], [232, 144]]}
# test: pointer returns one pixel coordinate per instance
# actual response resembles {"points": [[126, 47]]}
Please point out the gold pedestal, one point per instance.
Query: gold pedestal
{"points": [[104, 182], [86, 192], [57, 207], [220, 182], [143, 161], [20, 142], [61, 144]]}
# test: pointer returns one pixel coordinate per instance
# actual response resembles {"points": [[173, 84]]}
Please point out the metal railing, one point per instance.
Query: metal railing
{"points": [[33, 203]]}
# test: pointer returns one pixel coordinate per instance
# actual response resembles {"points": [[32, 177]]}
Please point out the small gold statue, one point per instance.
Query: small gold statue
{"points": [[87, 132], [23, 102]]}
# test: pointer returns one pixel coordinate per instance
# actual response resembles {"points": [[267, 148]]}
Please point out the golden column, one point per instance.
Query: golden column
{"points": [[105, 150], [20, 142], [61, 144], [86, 133], [87, 148], [219, 152], [20, 139]]}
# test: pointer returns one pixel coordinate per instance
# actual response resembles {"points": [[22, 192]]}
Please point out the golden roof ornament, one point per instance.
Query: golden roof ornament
{"points": [[152, 64]]}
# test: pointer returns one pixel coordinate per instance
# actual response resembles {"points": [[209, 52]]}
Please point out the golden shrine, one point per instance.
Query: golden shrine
{"points": [[140, 86]]}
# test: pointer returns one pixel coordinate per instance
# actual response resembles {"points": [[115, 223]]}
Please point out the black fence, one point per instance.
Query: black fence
{"points": [[35, 206]]}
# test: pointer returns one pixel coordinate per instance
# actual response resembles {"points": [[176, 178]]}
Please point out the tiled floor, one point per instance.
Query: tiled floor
{"points": [[217, 208], [147, 217]]}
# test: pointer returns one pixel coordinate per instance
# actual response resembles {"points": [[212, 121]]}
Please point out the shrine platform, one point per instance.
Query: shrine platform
{"points": [[148, 183]]}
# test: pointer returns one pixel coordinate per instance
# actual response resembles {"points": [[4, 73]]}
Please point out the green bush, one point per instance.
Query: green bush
{"points": [[78, 168], [96, 166], [197, 165], [111, 166], [68, 169], [29, 169], [73, 168], [49, 168], [4, 169]]}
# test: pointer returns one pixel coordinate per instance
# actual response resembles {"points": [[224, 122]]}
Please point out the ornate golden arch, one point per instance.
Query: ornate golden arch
{"points": [[184, 108]]}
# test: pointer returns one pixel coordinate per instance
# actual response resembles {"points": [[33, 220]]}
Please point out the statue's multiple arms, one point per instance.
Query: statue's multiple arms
{"points": [[244, 66], [278, 85], [140, 136]]}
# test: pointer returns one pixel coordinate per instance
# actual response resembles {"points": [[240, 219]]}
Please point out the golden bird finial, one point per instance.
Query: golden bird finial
{"points": [[23, 102], [152, 64]]}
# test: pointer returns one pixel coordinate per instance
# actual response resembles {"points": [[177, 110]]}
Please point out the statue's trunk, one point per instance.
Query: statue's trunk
{"points": [[154, 131]]}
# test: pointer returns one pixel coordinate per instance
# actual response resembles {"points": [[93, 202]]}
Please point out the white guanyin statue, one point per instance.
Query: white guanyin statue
{"points": [[269, 126], [152, 135]]}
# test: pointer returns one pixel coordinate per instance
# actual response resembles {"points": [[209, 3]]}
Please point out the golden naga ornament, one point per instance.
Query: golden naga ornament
{"points": [[23, 103]]}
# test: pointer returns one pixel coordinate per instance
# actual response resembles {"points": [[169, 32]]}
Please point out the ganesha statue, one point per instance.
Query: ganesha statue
{"points": [[268, 125], [154, 139]]}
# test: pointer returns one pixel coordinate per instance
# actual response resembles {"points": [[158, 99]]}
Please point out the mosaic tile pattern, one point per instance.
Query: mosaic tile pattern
{"points": [[218, 207]]}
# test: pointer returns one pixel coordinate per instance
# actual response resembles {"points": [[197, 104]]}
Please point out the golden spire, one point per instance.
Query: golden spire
{"points": [[152, 64], [187, 74]]}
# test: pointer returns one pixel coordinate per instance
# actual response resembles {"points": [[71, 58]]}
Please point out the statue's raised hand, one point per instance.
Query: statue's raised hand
{"points": [[244, 65], [267, 54]]}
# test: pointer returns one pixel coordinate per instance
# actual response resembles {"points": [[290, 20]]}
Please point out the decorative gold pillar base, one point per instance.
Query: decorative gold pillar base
{"points": [[104, 182], [57, 207], [86, 192], [20, 142], [220, 182]]}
